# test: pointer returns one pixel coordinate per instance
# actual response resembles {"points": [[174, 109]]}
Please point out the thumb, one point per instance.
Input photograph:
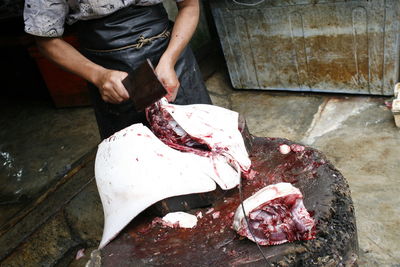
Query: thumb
{"points": [[172, 93]]}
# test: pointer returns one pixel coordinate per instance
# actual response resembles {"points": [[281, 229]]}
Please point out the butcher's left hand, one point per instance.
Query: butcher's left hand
{"points": [[166, 74]]}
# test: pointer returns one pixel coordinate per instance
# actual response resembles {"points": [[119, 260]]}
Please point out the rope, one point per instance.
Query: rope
{"points": [[143, 41], [248, 4], [140, 43]]}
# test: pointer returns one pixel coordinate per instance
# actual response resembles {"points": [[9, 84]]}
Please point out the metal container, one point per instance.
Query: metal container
{"points": [[339, 46]]}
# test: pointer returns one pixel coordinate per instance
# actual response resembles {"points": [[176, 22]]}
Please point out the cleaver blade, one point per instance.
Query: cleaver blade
{"points": [[143, 86]]}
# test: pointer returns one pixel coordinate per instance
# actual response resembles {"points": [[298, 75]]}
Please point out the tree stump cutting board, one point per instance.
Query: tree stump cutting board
{"points": [[213, 242]]}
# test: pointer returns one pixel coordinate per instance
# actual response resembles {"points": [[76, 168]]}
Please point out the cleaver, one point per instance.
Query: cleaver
{"points": [[143, 86]]}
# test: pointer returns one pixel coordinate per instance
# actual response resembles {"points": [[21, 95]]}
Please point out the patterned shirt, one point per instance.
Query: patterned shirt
{"points": [[47, 17]]}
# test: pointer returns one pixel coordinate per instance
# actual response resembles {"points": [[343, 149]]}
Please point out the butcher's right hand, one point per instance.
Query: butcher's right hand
{"points": [[110, 86]]}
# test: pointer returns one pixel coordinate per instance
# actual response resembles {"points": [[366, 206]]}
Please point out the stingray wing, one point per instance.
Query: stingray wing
{"points": [[134, 170]]}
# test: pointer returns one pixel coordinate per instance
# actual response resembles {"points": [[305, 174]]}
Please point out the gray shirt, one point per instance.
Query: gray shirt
{"points": [[47, 17]]}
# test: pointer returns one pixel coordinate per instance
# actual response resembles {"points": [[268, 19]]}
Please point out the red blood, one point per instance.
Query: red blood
{"points": [[297, 148], [209, 211], [389, 104], [250, 174], [216, 214], [166, 129], [145, 228], [199, 214]]}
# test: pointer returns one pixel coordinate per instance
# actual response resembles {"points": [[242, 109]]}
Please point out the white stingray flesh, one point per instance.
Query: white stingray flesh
{"points": [[180, 219], [134, 170]]}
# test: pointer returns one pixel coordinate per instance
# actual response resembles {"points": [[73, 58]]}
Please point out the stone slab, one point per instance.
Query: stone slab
{"points": [[272, 115], [364, 147], [85, 215], [21, 227], [44, 247], [38, 145]]}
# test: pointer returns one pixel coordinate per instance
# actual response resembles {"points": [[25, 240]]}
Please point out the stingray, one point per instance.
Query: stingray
{"points": [[135, 169]]}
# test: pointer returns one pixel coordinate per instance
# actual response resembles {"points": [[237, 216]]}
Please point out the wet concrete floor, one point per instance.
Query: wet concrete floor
{"points": [[50, 208]]}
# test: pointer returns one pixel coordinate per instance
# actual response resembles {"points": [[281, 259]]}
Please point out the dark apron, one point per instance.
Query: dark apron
{"points": [[122, 41]]}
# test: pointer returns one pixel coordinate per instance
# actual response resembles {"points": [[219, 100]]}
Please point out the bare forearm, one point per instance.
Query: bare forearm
{"points": [[184, 27], [67, 57]]}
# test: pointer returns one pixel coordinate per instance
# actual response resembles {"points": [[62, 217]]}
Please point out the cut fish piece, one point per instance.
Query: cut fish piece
{"points": [[276, 215], [134, 170], [215, 126], [204, 130], [180, 219], [284, 149]]}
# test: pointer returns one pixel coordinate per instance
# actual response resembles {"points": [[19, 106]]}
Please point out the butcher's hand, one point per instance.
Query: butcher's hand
{"points": [[110, 86], [166, 74]]}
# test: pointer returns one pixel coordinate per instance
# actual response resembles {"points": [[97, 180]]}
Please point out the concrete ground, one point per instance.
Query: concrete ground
{"points": [[49, 205], [358, 135]]}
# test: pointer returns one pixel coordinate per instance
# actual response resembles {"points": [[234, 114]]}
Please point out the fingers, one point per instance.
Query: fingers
{"points": [[166, 73], [111, 88], [171, 84], [172, 92], [110, 94], [119, 87]]}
